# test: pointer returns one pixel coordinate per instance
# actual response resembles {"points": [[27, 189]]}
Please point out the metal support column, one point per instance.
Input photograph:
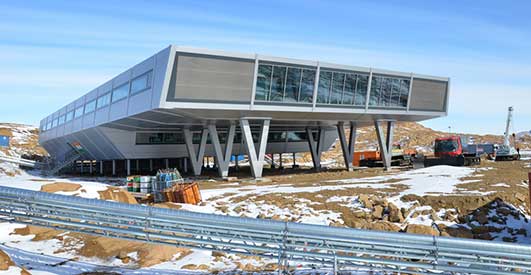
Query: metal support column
{"points": [[385, 143], [294, 160], [137, 166], [114, 167], [101, 167], [256, 158], [222, 157], [128, 166], [185, 165], [347, 146], [91, 163], [316, 146], [81, 167], [280, 161], [150, 165], [196, 158], [167, 163]]}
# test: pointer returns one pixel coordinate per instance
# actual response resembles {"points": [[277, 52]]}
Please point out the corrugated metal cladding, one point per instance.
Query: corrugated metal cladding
{"points": [[196, 77], [4, 141], [428, 95]]}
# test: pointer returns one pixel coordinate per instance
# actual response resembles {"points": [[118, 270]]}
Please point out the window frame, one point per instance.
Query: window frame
{"points": [[128, 84], [149, 80], [109, 94]]}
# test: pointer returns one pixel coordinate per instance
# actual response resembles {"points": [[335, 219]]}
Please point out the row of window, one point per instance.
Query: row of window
{"points": [[285, 84], [137, 85], [279, 83], [342, 88], [178, 138], [389, 92]]}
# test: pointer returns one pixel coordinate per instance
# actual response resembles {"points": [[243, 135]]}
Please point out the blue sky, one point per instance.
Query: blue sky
{"points": [[52, 52]]}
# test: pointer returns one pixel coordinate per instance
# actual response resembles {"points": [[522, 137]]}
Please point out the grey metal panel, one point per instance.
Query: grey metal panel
{"points": [[69, 127], [161, 76], [91, 95], [88, 120], [121, 78], [102, 115], [80, 102], [428, 95], [140, 102], [77, 124], [105, 88], [143, 67], [118, 110], [211, 78]]}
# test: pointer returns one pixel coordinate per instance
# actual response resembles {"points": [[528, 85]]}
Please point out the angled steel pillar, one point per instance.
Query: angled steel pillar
{"points": [[256, 158], [385, 143], [316, 146], [222, 157], [128, 166], [114, 167], [196, 158], [347, 146]]}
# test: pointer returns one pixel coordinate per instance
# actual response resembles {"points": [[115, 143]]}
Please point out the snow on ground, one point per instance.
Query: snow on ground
{"points": [[33, 181]]}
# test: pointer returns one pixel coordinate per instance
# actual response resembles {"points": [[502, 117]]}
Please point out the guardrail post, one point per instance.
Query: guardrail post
{"points": [[529, 188]]}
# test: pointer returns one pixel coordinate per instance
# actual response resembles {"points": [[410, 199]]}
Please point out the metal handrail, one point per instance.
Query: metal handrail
{"points": [[326, 246]]}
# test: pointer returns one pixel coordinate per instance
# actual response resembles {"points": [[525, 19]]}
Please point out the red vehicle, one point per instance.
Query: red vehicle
{"points": [[454, 151]]}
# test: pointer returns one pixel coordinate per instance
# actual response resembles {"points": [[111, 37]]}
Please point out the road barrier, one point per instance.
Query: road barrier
{"points": [[287, 242]]}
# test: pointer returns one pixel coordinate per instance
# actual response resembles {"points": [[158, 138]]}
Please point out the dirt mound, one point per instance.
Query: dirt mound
{"points": [[148, 254], [117, 194], [145, 255], [60, 187], [5, 261], [41, 233]]}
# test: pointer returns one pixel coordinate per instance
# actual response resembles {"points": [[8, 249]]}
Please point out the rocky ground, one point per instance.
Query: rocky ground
{"points": [[488, 202]]}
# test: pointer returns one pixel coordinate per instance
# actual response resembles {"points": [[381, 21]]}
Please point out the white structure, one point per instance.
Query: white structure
{"points": [[182, 104]]}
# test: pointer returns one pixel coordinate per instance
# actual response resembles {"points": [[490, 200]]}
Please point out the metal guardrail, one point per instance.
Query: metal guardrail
{"points": [[22, 162], [338, 248]]}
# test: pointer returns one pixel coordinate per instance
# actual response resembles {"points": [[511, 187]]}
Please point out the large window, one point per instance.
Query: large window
{"points": [[90, 107], [49, 125], [78, 112], [342, 88], [284, 83], [62, 120], [141, 83], [120, 92], [69, 116], [104, 100], [389, 91]]}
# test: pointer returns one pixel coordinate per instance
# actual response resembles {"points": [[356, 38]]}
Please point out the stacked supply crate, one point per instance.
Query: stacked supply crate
{"points": [[183, 193]]}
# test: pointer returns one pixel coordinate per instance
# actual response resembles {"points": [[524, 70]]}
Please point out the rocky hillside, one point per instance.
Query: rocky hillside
{"points": [[24, 140]]}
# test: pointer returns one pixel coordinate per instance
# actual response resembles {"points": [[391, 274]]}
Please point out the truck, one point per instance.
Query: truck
{"points": [[372, 158], [454, 151]]}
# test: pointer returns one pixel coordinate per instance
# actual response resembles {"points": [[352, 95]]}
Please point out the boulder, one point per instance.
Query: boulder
{"points": [[377, 213], [395, 215], [421, 229], [365, 200]]}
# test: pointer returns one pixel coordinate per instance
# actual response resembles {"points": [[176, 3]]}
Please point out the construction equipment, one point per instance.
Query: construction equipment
{"points": [[506, 151], [373, 158], [323, 246], [454, 151]]}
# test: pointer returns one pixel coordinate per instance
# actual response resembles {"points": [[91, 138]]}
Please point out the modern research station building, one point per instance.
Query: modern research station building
{"points": [[181, 105]]}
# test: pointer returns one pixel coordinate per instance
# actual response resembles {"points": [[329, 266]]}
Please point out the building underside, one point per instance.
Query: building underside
{"points": [[182, 105]]}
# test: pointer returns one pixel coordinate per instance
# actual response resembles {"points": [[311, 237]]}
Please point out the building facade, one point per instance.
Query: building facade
{"points": [[183, 104]]}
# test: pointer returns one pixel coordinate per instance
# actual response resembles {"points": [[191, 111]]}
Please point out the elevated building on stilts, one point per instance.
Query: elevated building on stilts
{"points": [[183, 105]]}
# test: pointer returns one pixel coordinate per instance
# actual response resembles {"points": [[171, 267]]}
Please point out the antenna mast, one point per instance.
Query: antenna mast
{"points": [[507, 127]]}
